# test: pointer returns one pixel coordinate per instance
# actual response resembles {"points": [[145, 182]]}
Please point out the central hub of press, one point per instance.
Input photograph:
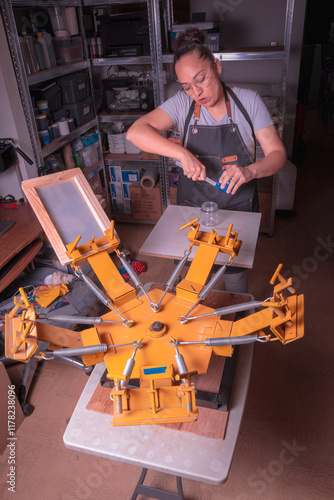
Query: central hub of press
{"points": [[157, 329]]}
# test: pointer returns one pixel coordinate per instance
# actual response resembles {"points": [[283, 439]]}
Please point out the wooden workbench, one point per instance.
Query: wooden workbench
{"points": [[20, 244]]}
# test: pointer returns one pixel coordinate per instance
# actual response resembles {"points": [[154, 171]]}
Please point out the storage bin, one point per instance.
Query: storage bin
{"points": [[57, 116], [49, 92], [130, 148], [75, 87], [82, 111], [116, 143], [67, 49]]}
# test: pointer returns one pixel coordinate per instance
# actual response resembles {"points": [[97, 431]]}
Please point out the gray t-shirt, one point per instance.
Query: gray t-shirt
{"points": [[177, 108]]}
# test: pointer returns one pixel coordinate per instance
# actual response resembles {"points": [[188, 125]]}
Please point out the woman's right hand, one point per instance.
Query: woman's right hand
{"points": [[192, 167]]}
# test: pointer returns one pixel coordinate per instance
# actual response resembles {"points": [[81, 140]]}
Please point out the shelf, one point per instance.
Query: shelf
{"points": [[65, 139], [240, 54], [111, 158], [45, 3], [56, 72], [111, 61], [110, 2], [105, 117]]}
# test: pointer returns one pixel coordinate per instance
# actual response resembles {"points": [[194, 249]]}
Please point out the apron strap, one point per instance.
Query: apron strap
{"points": [[239, 105], [241, 108], [186, 123]]}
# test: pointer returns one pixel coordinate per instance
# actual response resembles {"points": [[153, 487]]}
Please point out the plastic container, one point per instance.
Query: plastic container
{"points": [[67, 49], [71, 125], [38, 55], [42, 122], [60, 115], [82, 111], [89, 155], [44, 137], [116, 143], [55, 130], [92, 48], [43, 107], [75, 87], [48, 92], [58, 18], [99, 47], [48, 38], [44, 46], [63, 127], [210, 216], [130, 148], [71, 20]]}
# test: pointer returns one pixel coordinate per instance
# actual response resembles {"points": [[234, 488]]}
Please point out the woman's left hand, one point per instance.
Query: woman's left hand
{"points": [[236, 176]]}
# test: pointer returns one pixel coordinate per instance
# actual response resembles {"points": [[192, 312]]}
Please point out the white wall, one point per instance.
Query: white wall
{"points": [[247, 23], [12, 122]]}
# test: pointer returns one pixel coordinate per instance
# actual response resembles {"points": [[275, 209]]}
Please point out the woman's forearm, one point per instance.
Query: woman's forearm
{"points": [[269, 165], [148, 139]]}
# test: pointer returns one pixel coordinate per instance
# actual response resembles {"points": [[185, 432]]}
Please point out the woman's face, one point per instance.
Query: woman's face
{"points": [[199, 78]]}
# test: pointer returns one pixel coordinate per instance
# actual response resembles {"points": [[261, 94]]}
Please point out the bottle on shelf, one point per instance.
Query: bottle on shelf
{"points": [[44, 46], [71, 20], [92, 48], [99, 47], [48, 38], [39, 55], [58, 20]]}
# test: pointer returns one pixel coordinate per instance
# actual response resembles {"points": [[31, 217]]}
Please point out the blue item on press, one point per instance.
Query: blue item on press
{"points": [[218, 185], [210, 181]]}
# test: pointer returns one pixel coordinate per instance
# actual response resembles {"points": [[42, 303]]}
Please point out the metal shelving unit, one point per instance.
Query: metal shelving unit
{"points": [[25, 81], [156, 60]]}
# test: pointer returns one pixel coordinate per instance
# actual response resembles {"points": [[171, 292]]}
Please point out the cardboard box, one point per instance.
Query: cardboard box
{"points": [[126, 191], [127, 207], [146, 203], [131, 175], [117, 206], [95, 183], [116, 190], [172, 195], [115, 173]]}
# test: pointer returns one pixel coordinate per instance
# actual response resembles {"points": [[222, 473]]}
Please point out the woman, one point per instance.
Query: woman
{"points": [[218, 128]]}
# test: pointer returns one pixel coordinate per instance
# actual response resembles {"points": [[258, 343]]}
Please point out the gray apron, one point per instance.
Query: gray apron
{"points": [[217, 147]]}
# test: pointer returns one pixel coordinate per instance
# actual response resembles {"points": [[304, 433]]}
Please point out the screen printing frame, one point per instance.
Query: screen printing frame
{"points": [[66, 207]]}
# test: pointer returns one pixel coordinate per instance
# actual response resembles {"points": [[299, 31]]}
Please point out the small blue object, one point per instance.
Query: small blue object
{"points": [[155, 371], [218, 185]]}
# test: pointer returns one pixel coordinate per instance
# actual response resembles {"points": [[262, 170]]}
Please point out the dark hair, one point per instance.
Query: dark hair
{"points": [[190, 40]]}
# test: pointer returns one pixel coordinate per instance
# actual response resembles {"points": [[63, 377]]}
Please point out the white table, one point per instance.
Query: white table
{"points": [[167, 240], [156, 447]]}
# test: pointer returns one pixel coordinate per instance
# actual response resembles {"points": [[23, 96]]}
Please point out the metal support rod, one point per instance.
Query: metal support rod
{"points": [[219, 341], [228, 309], [135, 279], [202, 295], [90, 349], [174, 275], [129, 365], [79, 351], [84, 320], [100, 295]]}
